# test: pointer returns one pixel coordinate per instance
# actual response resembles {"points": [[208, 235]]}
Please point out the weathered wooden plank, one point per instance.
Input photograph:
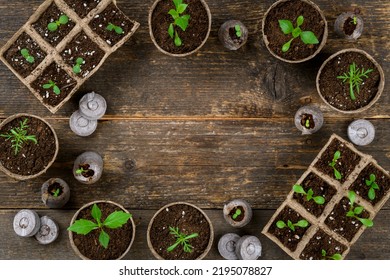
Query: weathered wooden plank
{"points": [[150, 163]]}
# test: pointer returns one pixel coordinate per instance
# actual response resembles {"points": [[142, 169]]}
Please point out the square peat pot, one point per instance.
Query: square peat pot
{"points": [[59, 33], [324, 201]]}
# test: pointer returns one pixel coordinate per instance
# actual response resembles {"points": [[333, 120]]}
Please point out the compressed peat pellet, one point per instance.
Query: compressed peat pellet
{"points": [[80, 125], [248, 248], [92, 106], [26, 223], [227, 246], [48, 232], [361, 132]]}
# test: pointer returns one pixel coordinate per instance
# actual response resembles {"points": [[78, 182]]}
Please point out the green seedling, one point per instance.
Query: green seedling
{"points": [[355, 211], [333, 257], [80, 171], [307, 123], [372, 185], [115, 220], [29, 58], [53, 26], [354, 20], [287, 27], [77, 67], [301, 223], [56, 192], [112, 27], [179, 20], [236, 214], [237, 29], [181, 239], [51, 84], [336, 156], [354, 78], [18, 136], [309, 194]]}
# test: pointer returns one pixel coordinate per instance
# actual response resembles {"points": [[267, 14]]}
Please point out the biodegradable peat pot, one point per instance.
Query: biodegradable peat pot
{"points": [[188, 219], [231, 36], [193, 38], [274, 38], [32, 159], [337, 94], [308, 119], [88, 167], [55, 193], [238, 213], [88, 246], [349, 26]]}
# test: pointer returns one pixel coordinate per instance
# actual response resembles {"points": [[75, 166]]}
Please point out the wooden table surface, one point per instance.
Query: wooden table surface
{"points": [[204, 129]]}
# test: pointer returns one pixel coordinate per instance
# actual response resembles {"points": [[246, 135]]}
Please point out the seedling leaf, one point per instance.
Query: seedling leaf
{"points": [[171, 30], [302, 223], [286, 26], [298, 189], [371, 194], [319, 200], [181, 8], [116, 219], [63, 19], [52, 26], [96, 213], [83, 226], [104, 239], [300, 20], [56, 90], [281, 224]]}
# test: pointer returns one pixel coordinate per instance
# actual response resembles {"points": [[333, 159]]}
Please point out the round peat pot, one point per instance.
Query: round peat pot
{"points": [[227, 246], [313, 20], [233, 34], [88, 167], [26, 223], [197, 30], [180, 218], [336, 92], [88, 247], [238, 213], [349, 26], [308, 119], [80, 125], [92, 106], [248, 248], [33, 157], [361, 132], [55, 193], [48, 231]]}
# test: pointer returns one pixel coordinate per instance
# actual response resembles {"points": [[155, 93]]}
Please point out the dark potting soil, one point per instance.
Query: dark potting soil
{"points": [[322, 241], [349, 27], [345, 164], [54, 187], [345, 226], [307, 118], [289, 238], [232, 33], [120, 238], [337, 93], [87, 173], [16, 59], [188, 220], [54, 73], [291, 10], [52, 14], [195, 33], [83, 47], [320, 188], [113, 15], [239, 217], [82, 7], [32, 158], [382, 180]]}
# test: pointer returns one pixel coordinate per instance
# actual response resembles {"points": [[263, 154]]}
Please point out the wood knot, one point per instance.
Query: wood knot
{"points": [[130, 164]]}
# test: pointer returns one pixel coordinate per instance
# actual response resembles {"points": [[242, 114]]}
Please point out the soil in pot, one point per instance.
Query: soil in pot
{"points": [[111, 15], [320, 188], [319, 242], [291, 10], [89, 245], [32, 158], [60, 78], [18, 61], [195, 33], [82, 47], [82, 8], [349, 26], [240, 217], [337, 93], [233, 35], [288, 237], [345, 164], [188, 220], [52, 14], [55, 188], [381, 179], [87, 173], [307, 121]]}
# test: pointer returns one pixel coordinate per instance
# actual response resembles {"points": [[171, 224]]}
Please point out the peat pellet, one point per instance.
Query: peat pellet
{"points": [[80, 125], [92, 106], [308, 119], [26, 223], [48, 231], [227, 34], [248, 247], [361, 132], [227, 246], [349, 26]]}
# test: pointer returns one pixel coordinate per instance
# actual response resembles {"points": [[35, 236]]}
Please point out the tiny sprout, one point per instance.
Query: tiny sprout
{"points": [[112, 27], [307, 37], [307, 123], [29, 58], [56, 193], [333, 257], [355, 211], [80, 171], [53, 85], [77, 67], [18, 136], [236, 214], [309, 194], [237, 29], [373, 186], [332, 164], [179, 20], [53, 26], [354, 20], [302, 223], [181, 239]]}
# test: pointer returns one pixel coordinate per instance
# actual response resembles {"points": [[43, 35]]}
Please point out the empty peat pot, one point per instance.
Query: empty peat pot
{"points": [[233, 34], [92, 106], [88, 167], [349, 26], [237, 213], [248, 248], [227, 246], [48, 231], [308, 119], [26, 223], [361, 132], [80, 125], [55, 193]]}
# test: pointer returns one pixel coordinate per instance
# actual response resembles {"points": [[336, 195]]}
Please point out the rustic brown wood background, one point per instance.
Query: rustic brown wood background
{"points": [[203, 129]]}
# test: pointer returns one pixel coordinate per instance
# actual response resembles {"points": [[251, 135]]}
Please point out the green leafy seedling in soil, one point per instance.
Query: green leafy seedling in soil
{"points": [[51, 84], [287, 27], [336, 156], [56, 192], [372, 185], [354, 20], [355, 211], [237, 29], [301, 223], [53, 26], [181, 239], [236, 214], [18, 136], [115, 220], [354, 78], [307, 123], [112, 27], [309, 194], [81, 170], [333, 257], [29, 58], [77, 67], [179, 20]]}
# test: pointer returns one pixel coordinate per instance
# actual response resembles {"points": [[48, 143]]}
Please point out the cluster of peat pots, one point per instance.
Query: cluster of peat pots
{"points": [[66, 41]]}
